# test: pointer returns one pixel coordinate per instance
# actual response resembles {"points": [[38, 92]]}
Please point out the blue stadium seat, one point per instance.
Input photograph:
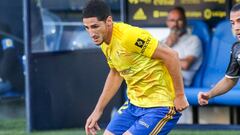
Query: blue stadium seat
{"points": [[218, 59], [200, 29], [11, 95], [219, 54]]}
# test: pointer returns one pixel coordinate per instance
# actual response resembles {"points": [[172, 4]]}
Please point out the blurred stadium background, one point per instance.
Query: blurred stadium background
{"points": [[46, 34]]}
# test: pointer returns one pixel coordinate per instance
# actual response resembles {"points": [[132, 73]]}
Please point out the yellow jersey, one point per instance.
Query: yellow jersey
{"points": [[148, 80]]}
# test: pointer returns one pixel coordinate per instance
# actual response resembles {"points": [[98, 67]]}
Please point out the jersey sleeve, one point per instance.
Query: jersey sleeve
{"points": [[140, 41], [107, 58], [109, 63], [233, 70]]}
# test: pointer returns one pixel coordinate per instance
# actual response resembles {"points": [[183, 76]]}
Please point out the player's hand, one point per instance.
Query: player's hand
{"points": [[91, 126], [203, 98], [181, 103]]}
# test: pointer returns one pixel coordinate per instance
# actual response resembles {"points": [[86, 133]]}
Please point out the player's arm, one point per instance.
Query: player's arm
{"points": [[223, 86], [171, 60], [112, 84]]}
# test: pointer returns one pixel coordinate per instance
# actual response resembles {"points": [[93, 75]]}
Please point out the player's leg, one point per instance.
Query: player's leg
{"points": [[154, 121], [121, 121], [169, 122]]}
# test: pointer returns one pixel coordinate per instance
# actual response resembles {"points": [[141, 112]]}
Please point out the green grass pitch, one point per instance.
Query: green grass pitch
{"points": [[17, 127]]}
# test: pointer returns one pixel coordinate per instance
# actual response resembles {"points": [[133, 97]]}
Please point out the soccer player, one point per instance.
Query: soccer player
{"points": [[233, 70], [151, 70]]}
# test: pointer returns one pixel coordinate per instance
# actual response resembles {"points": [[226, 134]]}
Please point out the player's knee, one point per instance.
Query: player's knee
{"points": [[127, 133], [106, 132]]}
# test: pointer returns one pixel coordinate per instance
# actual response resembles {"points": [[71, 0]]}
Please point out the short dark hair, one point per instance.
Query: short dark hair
{"points": [[96, 8], [236, 7], [181, 10]]}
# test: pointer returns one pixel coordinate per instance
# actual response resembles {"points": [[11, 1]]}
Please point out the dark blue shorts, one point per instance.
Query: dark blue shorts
{"points": [[143, 121]]}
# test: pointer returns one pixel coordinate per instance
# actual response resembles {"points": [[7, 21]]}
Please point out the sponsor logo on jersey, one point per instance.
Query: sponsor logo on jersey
{"points": [[145, 45], [140, 43]]}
